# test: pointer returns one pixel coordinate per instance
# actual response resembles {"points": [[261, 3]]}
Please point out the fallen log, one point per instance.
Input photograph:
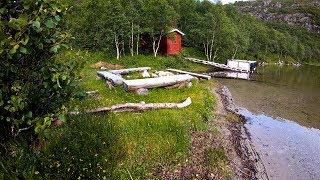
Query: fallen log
{"points": [[127, 71], [113, 78], [142, 106], [132, 85], [190, 73]]}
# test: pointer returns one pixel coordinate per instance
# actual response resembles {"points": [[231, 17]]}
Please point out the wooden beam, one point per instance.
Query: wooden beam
{"points": [[190, 73], [127, 71], [113, 78], [217, 65], [131, 85]]}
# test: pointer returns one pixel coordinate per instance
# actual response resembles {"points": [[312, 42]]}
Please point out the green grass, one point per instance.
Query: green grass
{"points": [[313, 63], [117, 145], [217, 160]]}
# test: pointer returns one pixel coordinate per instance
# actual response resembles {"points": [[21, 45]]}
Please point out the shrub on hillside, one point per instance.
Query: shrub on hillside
{"points": [[33, 85]]}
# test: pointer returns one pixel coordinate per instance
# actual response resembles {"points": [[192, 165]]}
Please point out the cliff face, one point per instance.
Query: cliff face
{"points": [[304, 14]]}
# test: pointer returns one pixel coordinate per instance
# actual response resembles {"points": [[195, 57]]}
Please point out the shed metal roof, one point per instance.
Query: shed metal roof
{"points": [[178, 31]]}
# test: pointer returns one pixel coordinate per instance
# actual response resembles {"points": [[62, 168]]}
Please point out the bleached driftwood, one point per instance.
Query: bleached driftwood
{"points": [[131, 85], [190, 73], [142, 106], [127, 71], [115, 79]]}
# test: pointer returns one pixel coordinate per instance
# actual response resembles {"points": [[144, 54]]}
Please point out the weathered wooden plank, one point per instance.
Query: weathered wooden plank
{"points": [[131, 85], [190, 73], [113, 78], [231, 75], [222, 66], [127, 71]]}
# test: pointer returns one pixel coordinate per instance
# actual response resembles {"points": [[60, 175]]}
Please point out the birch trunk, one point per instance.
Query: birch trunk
{"points": [[116, 41], [138, 43], [132, 41], [211, 47], [205, 50], [156, 45]]}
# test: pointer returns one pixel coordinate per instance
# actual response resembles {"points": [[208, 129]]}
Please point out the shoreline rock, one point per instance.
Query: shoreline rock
{"points": [[247, 164]]}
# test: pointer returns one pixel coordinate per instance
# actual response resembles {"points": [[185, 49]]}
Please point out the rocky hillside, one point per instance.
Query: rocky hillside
{"points": [[303, 13]]}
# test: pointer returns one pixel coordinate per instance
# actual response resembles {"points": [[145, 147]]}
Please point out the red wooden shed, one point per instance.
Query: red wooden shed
{"points": [[172, 43]]}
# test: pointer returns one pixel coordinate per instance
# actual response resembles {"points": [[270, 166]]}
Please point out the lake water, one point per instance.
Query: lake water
{"points": [[282, 109]]}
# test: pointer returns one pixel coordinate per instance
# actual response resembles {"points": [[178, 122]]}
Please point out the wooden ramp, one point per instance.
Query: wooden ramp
{"points": [[190, 73], [217, 65]]}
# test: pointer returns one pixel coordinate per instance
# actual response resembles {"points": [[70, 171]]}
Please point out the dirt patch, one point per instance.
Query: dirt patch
{"points": [[197, 165], [101, 64]]}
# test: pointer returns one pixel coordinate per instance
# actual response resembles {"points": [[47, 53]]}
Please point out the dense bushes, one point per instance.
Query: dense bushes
{"points": [[33, 86]]}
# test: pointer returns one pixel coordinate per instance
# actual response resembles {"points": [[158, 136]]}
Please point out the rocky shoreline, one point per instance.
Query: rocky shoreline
{"points": [[244, 160]]}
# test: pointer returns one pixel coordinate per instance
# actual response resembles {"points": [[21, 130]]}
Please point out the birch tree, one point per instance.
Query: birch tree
{"points": [[118, 24], [159, 17], [205, 33], [134, 13]]}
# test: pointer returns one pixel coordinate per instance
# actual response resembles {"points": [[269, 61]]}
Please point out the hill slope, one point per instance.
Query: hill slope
{"points": [[304, 14]]}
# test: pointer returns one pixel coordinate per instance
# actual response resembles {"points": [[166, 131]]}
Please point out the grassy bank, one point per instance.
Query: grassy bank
{"points": [[120, 145]]}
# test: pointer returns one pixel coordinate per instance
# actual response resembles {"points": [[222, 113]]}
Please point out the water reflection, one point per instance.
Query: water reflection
{"points": [[303, 77], [285, 92], [287, 150]]}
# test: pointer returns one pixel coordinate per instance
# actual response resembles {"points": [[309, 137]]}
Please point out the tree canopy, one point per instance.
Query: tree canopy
{"points": [[220, 31]]}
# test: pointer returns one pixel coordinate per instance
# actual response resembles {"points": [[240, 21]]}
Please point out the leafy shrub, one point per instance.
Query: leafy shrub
{"points": [[33, 85]]}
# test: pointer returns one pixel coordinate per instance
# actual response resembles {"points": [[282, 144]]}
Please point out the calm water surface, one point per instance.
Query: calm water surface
{"points": [[282, 108]]}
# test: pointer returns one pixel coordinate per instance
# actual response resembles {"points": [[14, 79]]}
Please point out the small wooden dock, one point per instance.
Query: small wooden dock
{"points": [[217, 65]]}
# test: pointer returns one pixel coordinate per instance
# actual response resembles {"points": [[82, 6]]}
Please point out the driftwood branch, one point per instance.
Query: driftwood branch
{"points": [[142, 106]]}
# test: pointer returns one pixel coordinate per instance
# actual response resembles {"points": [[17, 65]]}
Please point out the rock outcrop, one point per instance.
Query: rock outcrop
{"points": [[298, 13]]}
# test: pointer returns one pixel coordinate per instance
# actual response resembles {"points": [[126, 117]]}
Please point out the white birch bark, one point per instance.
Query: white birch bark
{"points": [[116, 41], [156, 45], [132, 41], [211, 47], [138, 43]]}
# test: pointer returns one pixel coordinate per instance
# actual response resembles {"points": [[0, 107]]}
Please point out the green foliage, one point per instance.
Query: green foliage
{"points": [[32, 84], [112, 25], [95, 23]]}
